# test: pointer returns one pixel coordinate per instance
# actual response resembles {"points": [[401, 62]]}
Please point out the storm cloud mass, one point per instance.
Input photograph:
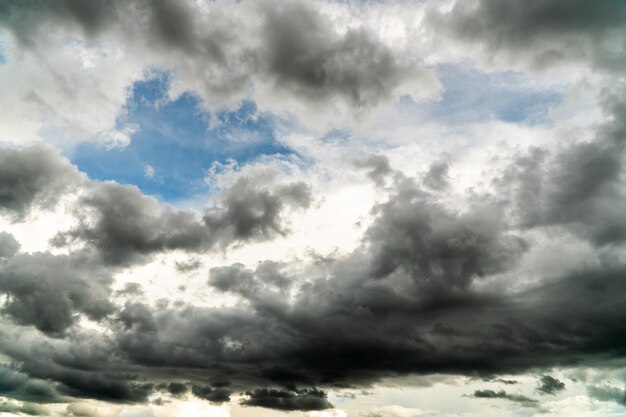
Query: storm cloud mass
{"points": [[356, 241]]}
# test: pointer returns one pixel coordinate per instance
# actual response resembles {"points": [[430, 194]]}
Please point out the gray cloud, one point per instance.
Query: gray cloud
{"points": [[607, 393], [378, 168], [541, 33], [580, 188], [124, 226], [8, 245], [289, 47], [250, 209], [304, 55], [25, 408], [410, 292], [421, 294], [436, 177], [311, 399], [49, 291], [20, 387], [522, 400], [550, 385], [32, 177], [437, 247], [129, 224], [213, 394]]}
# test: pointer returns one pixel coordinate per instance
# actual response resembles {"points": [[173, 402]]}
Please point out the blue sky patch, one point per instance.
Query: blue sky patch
{"points": [[473, 96], [177, 141]]}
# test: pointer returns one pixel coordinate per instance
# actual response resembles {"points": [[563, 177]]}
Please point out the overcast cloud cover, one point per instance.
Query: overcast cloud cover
{"points": [[327, 209]]}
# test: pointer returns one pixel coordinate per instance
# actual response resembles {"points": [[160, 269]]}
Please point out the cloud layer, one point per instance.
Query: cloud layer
{"points": [[493, 258]]}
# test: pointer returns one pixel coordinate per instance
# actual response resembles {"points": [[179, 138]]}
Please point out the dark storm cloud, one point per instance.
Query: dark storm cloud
{"points": [[546, 32], [550, 385], [32, 177], [49, 291], [522, 400], [290, 46], [305, 400]]}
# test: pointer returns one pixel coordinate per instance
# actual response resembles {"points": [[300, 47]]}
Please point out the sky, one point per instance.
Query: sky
{"points": [[385, 208]]}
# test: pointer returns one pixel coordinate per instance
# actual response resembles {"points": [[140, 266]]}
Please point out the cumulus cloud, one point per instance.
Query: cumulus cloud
{"points": [[124, 225], [250, 209], [438, 283], [540, 34], [8, 245], [579, 186], [420, 287], [289, 57], [412, 290], [49, 291], [33, 177]]}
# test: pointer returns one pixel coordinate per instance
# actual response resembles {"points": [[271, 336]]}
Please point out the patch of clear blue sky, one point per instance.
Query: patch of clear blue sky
{"points": [[179, 141], [472, 96]]}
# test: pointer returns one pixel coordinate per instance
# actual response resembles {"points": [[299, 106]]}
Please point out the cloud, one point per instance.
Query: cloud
{"points": [[25, 408], [420, 288], [607, 393], [439, 283], [213, 394], [33, 177], [305, 400], [123, 225], [20, 387], [418, 295], [579, 187], [434, 246], [550, 385], [289, 57], [522, 400], [379, 168], [539, 34], [251, 210], [437, 176], [8, 245], [304, 55], [49, 291]]}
